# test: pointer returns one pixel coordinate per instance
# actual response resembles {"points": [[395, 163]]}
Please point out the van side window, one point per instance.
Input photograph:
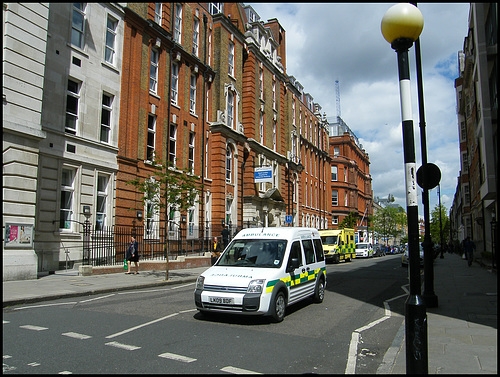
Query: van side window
{"points": [[308, 251], [320, 256], [295, 252]]}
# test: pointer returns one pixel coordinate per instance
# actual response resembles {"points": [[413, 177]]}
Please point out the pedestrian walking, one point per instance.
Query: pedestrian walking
{"points": [[225, 236], [133, 255], [216, 249], [469, 247]]}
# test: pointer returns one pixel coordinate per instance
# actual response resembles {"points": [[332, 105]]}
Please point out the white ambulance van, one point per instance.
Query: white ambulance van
{"points": [[262, 271]]}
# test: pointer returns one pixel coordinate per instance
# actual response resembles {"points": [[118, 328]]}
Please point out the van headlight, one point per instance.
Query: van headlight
{"points": [[256, 286], [200, 282]]}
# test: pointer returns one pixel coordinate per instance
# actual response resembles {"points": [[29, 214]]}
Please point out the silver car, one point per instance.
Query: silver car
{"points": [[404, 258]]}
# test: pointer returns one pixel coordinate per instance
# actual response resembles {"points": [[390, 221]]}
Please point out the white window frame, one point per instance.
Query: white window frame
{"points": [[158, 13], [196, 36], [261, 83], [69, 114], [172, 144], [107, 108], [231, 59], [175, 84], [153, 71], [69, 210], [178, 24], [152, 216], [335, 174], [109, 48], [102, 194], [229, 164], [230, 109], [261, 127], [336, 151], [192, 94], [78, 29], [275, 136], [191, 151], [151, 138], [335, 198]]}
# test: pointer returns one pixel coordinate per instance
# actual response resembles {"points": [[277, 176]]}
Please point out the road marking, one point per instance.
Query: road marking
{"points": [[35, 328], [76, 335], [123, 346], [5, 322], [188, 310], [65, 372], [173, 356], [140, 326], [181, 286], [355, 336], [97, 298], [34, 364], [235, 370], [45, 305]]}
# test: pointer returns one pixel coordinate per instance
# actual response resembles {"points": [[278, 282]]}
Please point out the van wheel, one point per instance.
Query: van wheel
{"points": [[319, 292], [337, 259], [279, 306]]}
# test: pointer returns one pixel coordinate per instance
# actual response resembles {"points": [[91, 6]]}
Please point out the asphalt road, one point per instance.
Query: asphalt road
{"points": [[160, 331]]}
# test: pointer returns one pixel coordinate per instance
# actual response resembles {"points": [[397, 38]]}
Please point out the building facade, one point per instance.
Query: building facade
{"points": [[475, 207], [115, 89]]}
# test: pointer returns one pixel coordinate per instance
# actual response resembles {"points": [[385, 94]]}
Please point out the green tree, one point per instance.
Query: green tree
{"points": [[389, 222], [349, 221], [170, 188], [434, 225]]}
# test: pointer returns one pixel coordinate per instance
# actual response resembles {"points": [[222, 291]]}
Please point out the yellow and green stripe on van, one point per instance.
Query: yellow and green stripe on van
{"points": [[302, 278]]}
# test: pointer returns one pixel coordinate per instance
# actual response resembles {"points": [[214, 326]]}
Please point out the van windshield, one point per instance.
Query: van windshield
{"points": [[254, 253], [329, 240]]}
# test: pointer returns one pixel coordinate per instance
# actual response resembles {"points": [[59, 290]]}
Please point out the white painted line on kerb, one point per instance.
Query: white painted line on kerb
{"points": [[76, 335], [235, 370], [97, 298], [140, 326], [35, 328], [123, 346], [45, 305], [173, 356]]}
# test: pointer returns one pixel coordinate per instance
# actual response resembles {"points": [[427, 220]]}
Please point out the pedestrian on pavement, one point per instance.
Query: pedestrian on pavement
{"points": [[469, 247], [216, 249], [133, 255], [225, 236]]}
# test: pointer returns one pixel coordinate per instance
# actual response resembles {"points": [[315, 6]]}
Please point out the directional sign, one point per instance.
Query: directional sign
{"points": [[288, 219], [263, 174]]}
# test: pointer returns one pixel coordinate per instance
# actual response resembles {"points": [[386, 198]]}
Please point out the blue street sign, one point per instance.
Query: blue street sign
{"points": [[288, 219]]}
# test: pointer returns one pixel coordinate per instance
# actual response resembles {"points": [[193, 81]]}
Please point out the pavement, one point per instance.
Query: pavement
{"points": [[461, 330]]}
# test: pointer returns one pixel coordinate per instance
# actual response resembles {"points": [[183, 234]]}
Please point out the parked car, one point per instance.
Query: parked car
{"points": [[378, 250], [404, 257], [364, 250]]}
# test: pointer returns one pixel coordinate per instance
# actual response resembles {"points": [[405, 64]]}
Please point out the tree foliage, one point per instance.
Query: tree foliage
{"points": [[349, 221], [389, 222], [435, 228], [170, 187]]}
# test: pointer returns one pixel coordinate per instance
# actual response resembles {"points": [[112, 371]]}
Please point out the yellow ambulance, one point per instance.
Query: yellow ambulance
{"points": [[338, 244]]}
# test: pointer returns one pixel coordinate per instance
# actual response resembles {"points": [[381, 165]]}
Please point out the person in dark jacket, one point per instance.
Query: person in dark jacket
{"points": [[133, 255]]}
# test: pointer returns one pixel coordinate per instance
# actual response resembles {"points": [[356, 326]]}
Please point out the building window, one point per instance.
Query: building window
{"points": [[335, 198], [336, 151], [107, 102], [151, 210], [191, 152], [196, 36], [72, 101], [210, 47], [67, 193], [178, 23], [346, 202], [109, 50], [274, 136], [274, 94], [175, 83], [192, 95], [261, 127], [172, 144], [293, 112], [230, 109], [231, 59], [78, 25], [261, 83], [334, 173], [158, 13], [150, 144], [153, 71], [335, 220], [102, 201], [215, 8], [345, 174], [229, 164], [229, 204]]}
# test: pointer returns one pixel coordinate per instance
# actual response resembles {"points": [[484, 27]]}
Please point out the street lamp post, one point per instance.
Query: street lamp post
{"points": [[401, 26]]}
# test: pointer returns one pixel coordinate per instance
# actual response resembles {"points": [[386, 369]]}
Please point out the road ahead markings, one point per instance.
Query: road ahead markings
{"points": [[173, 356], [76, 335], [234, 370], [127, 347], [34, 328]]}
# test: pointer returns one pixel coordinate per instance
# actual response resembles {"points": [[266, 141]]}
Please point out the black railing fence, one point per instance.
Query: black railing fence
{"points": [[108, 245]]}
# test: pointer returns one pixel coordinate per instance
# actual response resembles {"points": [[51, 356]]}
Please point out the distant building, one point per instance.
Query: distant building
{"points": [[475, 207]]}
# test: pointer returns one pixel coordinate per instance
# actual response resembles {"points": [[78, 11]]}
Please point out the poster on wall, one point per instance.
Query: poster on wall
{"points": [[18, 235]]}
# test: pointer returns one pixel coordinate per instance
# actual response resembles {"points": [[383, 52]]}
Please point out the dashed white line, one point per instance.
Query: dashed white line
{"points": [[173, 356], [139, 326], [76, 335], [127, 347], [235, 370], [45, 305], [34, 328], [97, 298]]}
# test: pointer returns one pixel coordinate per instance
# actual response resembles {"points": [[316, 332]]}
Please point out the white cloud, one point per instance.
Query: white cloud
{"points": [[333, 41]]}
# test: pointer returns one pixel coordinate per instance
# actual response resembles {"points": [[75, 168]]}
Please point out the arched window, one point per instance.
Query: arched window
{"points": [[229, 164]]}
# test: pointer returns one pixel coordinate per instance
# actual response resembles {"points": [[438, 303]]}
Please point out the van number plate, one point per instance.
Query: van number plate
{"points": [[221, 300]]}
